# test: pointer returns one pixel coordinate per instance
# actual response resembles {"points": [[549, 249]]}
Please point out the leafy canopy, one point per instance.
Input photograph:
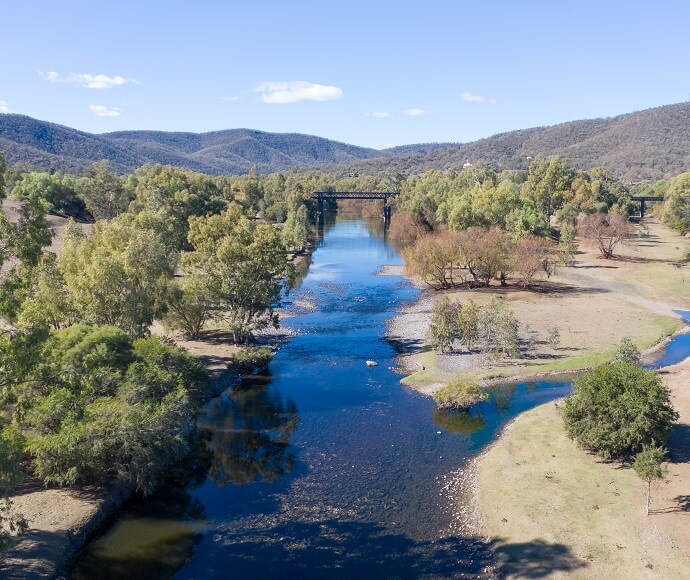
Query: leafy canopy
{"points": [[618, 408]]}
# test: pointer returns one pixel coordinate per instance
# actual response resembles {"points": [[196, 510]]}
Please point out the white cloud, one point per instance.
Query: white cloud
{"points": [[378, 114], [87, 80], [4, 108], [230, 98], [415, 112], [295, 91], [472, 98], [103, 111]]}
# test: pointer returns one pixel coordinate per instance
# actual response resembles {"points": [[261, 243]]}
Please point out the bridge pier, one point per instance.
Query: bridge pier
{"points": [[642, 208]]}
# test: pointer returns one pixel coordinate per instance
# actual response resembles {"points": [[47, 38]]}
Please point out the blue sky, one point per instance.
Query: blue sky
{"points": [[369, 73]]}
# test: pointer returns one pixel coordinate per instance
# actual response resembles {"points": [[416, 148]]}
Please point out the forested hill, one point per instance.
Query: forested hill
{"points": [[43, 145], [640, 146], [645, 145]]}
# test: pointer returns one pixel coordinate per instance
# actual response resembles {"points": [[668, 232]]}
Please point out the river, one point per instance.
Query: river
{"points": [[327, 467]]}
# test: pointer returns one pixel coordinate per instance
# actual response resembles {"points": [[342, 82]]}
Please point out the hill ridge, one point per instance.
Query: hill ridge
{"points": [[642, 145]]}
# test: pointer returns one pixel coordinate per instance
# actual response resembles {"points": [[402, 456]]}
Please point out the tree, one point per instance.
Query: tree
{"points": [[468, 324], [676, 212], [22, 242], [616, 409], [533, 255], [96, 406], [190, 304], [548, 180], [486, 253], [103, 191], [628, 353], [443, 329], [437, 259], [649, 466], [57, 191], [605, 230], [296, 228], [567, 247], [166, 196], [498, 331], [12, 524], [118, 276], [242, 264]]}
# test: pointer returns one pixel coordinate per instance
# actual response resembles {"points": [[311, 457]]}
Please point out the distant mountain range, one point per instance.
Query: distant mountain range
{"points": [[639, 146]]}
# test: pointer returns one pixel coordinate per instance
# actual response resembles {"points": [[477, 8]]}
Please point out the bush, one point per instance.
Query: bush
{"points": [[459, 394], [617, 409], [100, 406], [252, 358]]}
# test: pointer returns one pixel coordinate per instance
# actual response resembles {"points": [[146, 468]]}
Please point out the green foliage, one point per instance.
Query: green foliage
{"points": [[498, 331], [649, 466], [118, 276], [443, 329], [168, 196], [649, 462], [103, 191], [676, 213], [554, 337], [459, 394], [547, 183], [627, 352], [22, 242], [567, 247], [95, 405], [242, 264], [251, 358], [57, 192], [189, 304], [616, 409]]}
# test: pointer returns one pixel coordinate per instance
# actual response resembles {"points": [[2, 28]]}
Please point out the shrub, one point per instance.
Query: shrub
{"points": [[459, 394], [251, 358]]}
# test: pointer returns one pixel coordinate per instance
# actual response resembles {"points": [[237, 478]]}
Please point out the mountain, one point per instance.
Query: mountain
{"points": [[44, 145], [640, 146]]}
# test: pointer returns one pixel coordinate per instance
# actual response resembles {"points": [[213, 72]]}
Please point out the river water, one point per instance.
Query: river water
{"points": [[327, 467]]}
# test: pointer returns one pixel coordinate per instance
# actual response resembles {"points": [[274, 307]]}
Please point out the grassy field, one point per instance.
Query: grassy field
{"points": [[538, 489]]}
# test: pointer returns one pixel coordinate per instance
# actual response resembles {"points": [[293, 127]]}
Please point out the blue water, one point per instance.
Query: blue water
{"points": [[326, 467], [677, 350]]}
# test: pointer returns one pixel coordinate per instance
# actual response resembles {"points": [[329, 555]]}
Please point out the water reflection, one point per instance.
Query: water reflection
{"points": [[458, 421], [250, 429], [502, 395]]}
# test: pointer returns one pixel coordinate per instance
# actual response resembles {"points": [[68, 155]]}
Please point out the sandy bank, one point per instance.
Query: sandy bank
{"points": [[536, 487]]}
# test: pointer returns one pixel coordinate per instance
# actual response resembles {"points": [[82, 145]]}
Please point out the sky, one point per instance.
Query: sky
{"points": [[370, 73]]}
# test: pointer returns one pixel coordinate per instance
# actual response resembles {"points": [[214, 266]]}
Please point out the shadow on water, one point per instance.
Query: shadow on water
{"points": [[336, 548]]}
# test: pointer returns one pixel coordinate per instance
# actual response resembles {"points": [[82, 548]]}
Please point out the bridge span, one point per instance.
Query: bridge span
{"points": [[320, 196]]}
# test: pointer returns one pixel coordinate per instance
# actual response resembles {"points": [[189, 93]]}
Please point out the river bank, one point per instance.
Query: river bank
{"points": [[593, 305], [62, 520], [536, 486]]}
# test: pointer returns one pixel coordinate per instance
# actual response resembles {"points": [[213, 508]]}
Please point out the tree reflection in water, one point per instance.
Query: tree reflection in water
{"points": [[250, 429], [459, 421]]}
